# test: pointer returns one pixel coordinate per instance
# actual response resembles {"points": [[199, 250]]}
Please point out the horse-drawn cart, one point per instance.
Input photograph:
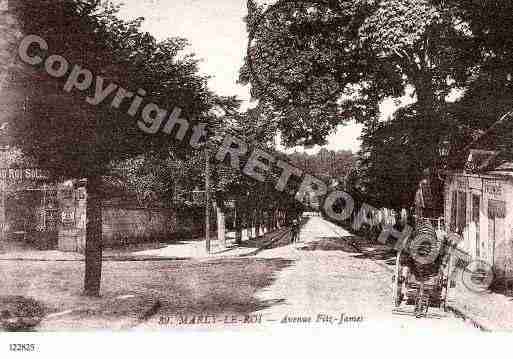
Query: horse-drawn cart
{"points": [[421, 277]]}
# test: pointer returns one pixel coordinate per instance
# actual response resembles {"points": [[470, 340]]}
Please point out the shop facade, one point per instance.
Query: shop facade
{"points": [[479, 207], [38, 214], [29, 208]]}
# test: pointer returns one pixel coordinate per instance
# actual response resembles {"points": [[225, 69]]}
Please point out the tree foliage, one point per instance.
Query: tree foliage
{"points": [[63, 133], [325, 165], [81, 139], [356, 54]]}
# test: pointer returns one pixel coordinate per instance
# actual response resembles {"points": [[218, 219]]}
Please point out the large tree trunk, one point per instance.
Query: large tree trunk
{"points": [[221, 223], [248, 224], [252, 222], [93, 250], [238, 223], [258, 226]]}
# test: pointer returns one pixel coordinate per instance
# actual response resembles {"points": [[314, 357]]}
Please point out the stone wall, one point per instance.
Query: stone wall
{"points": [[125, 226], [122, 226]]}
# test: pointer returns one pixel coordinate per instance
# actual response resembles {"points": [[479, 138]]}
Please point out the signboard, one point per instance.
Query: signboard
{"points": [[493, 188], [68, 217], [23, 174]]}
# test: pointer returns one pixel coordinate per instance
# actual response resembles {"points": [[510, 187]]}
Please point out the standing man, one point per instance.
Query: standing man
{"points": [[295, 230]]}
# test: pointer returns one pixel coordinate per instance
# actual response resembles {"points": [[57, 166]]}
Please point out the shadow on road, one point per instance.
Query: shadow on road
{"points": [[220, 286], [331, 244], [276, 239], [362, 248]]}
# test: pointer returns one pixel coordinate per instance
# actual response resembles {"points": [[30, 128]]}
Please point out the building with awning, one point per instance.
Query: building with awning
{"points": [[478, 197], [478, 205]]}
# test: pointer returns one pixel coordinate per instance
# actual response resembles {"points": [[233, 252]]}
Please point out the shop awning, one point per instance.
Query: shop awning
{"points": [[496, 209]]}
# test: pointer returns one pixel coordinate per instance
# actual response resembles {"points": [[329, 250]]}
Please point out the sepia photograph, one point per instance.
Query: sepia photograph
{"points": [[173, 167]]}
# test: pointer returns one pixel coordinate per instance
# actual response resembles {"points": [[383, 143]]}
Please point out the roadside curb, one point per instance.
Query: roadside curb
{"points": [[467, 317], [278, 238], [149, 258]]}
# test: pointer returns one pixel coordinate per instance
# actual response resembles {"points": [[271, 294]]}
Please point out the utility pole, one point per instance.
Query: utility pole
{"points": [[207, 199]]}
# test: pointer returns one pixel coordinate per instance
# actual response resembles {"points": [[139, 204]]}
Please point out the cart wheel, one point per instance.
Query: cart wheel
{"points": [[446, 284], [445, 294], [437, 298], [421, 302], [398, 282]]}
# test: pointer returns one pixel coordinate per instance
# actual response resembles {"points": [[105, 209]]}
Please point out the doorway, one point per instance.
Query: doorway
{"points": [[496, 228], [475, 220]]}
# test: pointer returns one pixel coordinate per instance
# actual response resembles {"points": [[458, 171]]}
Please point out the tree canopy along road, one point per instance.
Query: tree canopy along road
{"points": [[318, 64], [326, 280]]}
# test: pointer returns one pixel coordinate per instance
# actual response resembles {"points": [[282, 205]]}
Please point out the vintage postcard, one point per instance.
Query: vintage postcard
{"points": [[246, 165]]}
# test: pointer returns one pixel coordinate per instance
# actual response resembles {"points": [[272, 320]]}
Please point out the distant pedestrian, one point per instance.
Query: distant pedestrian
{"points": [[295, 231]]}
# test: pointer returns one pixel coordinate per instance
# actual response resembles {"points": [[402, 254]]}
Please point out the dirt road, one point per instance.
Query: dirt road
{"points": [[324, 282], [329, 278]]}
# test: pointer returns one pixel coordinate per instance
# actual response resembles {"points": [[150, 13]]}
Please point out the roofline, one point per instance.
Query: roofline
{"points": [[492, 176]]}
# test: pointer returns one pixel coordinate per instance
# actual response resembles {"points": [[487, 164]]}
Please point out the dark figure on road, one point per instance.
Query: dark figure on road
{"points": [[295, 230]]}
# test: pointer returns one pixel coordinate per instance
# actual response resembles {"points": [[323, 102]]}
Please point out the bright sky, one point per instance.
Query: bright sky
{"points": [[217, 34]]}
